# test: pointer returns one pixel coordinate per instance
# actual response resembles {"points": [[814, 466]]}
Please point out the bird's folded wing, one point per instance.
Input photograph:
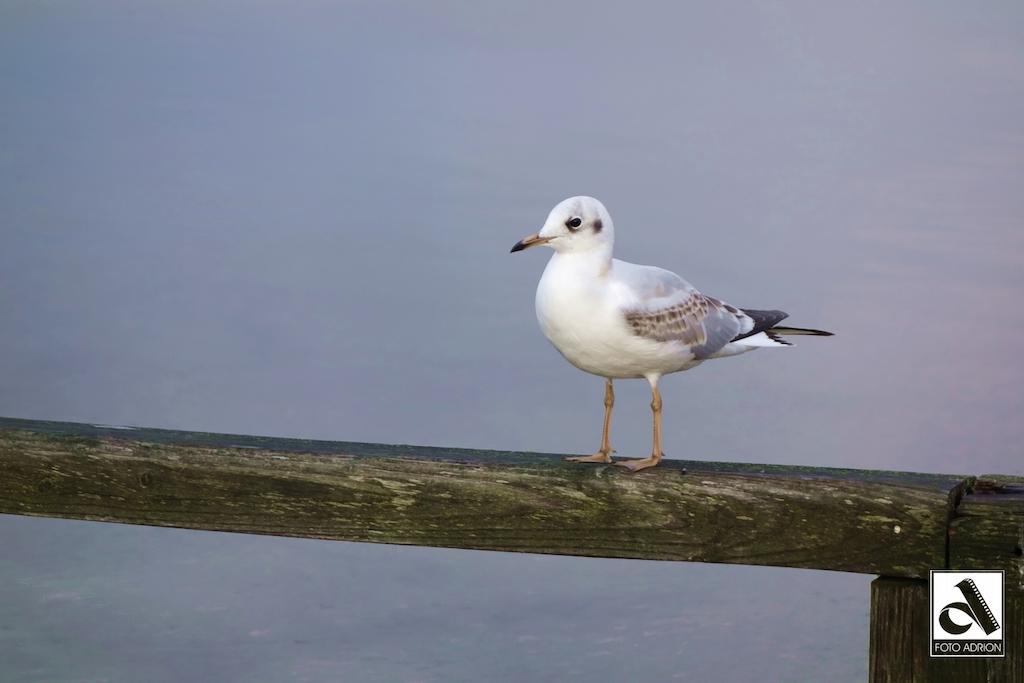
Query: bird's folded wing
{"points": [[666, 308]]}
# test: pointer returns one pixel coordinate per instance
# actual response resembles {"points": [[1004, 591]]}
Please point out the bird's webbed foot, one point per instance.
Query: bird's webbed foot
{"points": [[600, 457], [637, 464]]}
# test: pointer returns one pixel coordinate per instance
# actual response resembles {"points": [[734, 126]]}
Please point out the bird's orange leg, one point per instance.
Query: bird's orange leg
{"points": [[655, 458], [604, 454]]}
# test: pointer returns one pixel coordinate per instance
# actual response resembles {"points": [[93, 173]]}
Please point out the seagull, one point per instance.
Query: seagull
{"points": [[621, 320]]}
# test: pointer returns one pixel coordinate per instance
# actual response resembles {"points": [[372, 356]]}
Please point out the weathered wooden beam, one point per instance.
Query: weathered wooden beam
{"points": [[899, 640], [860, 521]]}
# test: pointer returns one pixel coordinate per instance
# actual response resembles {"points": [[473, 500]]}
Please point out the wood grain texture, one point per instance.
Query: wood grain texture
{"points": [[899, 631], [899, 640], [987, 531], [861, 521]]}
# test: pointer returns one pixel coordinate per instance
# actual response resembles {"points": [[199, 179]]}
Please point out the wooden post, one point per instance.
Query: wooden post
{"points": [[899, 640], [898, 646], [987, 532]]}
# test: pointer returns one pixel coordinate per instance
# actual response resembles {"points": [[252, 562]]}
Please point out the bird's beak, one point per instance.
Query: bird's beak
{"points": [[530, 241]]}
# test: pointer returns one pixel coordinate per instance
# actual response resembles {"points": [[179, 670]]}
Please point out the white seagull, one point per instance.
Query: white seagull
{"points": [[621, 320]]}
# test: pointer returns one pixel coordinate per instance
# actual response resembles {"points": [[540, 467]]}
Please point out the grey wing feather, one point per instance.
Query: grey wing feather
{"points": [[703, 323]]}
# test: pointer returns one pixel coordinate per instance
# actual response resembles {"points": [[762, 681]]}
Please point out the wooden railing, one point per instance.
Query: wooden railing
{"points": [[897, 525]]}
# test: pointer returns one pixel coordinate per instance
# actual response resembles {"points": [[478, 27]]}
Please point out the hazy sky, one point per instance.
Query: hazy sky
{"points": [[294, 219]]}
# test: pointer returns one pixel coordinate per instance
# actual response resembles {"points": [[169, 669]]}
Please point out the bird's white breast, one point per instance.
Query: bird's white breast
{"points": [[579, 308]]}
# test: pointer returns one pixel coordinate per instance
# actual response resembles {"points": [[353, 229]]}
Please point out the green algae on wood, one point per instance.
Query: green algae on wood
{"points": [[861, 521]]}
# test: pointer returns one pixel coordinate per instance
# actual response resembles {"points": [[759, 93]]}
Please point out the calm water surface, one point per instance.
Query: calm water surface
{"points": [[294, 220]]}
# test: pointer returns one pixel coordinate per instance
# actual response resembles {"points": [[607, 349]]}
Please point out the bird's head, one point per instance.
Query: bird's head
{"points": [[576, 224]]}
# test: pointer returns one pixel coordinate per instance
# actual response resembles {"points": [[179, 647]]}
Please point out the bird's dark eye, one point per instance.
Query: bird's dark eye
{"points": [[574, 223]]}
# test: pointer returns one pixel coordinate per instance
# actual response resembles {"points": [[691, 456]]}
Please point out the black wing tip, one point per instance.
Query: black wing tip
{"points": [[763, 321], [807, 331]]}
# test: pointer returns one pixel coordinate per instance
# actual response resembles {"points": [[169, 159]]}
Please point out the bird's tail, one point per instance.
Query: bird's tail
{"points": [[793, 331]]}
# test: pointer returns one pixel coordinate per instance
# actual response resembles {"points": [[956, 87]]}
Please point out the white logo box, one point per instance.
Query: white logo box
{"points": [[967, 613]]}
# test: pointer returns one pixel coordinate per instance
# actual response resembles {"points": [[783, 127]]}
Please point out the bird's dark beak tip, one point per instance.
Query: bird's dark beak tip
{"points": [[518, 246]]}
